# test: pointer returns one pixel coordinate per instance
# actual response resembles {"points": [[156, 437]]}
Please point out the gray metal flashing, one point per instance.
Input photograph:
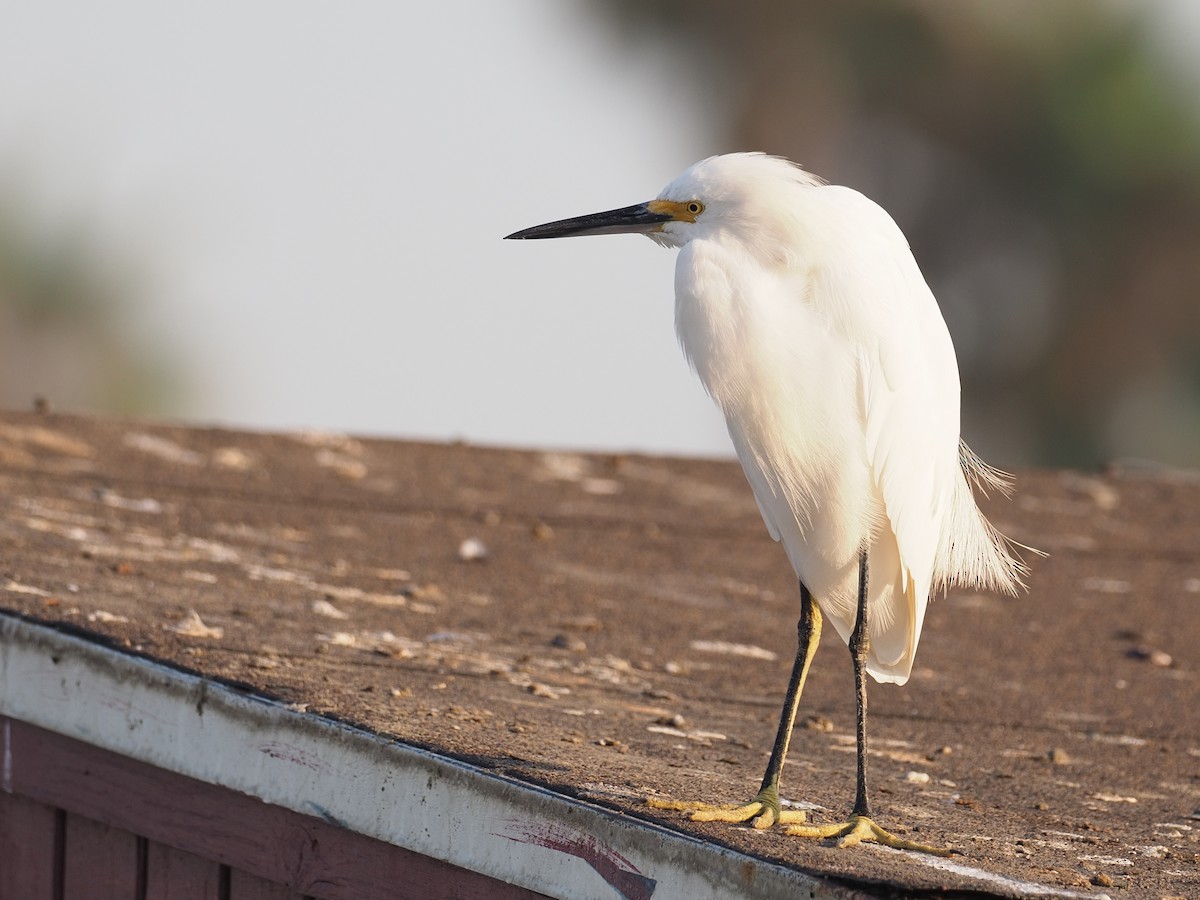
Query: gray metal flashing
{"points": [[440, 807]]}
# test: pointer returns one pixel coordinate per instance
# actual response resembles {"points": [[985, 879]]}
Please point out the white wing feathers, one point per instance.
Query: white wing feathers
{"points": [[911, 431], [909, 392]]}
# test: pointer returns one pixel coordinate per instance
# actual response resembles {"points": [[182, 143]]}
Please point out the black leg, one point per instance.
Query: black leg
{"points": [[860, 827], [860, 643], [765, 809], [808, 632]]}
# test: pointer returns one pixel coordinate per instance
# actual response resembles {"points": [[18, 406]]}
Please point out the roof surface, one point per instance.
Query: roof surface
{"points": [[614, 627]]}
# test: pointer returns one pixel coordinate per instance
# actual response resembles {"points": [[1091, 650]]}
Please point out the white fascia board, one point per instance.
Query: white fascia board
{"points": [[442, 808]]}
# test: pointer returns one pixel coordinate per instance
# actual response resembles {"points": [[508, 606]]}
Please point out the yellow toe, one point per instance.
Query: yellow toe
{"points": [[858, 829], [759, 812]]}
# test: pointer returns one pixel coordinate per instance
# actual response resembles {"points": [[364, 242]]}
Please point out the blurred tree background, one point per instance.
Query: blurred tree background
{"points": [[1044, 163]]}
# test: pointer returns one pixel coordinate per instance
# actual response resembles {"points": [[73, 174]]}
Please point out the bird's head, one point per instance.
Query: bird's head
{"points": [[736, 192]]}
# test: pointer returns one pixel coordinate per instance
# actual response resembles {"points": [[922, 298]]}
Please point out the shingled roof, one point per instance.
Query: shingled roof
{"points": [[606, 628]]}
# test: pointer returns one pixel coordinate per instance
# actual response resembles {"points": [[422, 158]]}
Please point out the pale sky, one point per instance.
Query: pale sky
{"points": [[318, 193]]}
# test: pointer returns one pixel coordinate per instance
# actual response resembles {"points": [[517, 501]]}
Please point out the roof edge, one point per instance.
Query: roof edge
{"points": [[412, 798]]}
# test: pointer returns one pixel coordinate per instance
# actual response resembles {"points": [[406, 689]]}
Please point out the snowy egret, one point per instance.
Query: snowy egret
{"points": [[803, 312]]}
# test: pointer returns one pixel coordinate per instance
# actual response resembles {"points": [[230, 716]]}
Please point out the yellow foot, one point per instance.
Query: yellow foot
{"points": [[760, 812], [862, 828]]}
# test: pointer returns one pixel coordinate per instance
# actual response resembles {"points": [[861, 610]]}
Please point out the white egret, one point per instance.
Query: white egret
{"points": [[803, 312]]}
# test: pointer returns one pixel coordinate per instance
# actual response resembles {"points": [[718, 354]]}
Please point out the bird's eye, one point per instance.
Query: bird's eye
{"points": [[695, 207]]}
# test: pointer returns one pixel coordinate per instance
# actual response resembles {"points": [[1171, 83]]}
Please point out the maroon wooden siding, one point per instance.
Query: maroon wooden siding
{"points": [[81, 823]]}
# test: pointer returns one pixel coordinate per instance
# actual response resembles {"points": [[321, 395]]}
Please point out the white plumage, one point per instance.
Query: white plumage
{"points": [[803, 312]]}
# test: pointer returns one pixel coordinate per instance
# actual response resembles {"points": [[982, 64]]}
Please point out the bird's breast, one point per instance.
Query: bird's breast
{"points": [[786, 381]]}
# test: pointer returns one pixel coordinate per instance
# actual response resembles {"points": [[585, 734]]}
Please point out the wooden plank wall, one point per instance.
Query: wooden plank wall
{"points": [[31, 843], [81, 823], [47, 854]]}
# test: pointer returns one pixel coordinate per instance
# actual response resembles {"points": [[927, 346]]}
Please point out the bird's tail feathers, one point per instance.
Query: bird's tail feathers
{"points": [[985, 477], [972, 550]]}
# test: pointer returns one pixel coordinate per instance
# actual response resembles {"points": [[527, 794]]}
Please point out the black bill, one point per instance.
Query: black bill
{"points": [[638, 219]]}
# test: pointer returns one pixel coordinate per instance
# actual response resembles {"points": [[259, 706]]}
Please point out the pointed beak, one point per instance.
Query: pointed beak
{"points": [[641, 218]]}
